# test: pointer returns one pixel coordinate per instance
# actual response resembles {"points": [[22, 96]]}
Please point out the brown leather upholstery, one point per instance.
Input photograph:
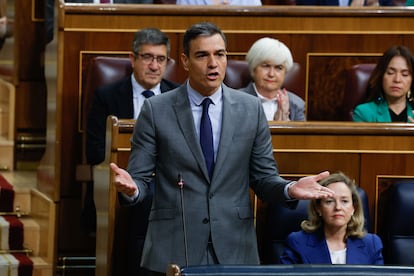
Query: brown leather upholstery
{"points": [[102, 71], [238, 76], [292, 80], [356, 84]]}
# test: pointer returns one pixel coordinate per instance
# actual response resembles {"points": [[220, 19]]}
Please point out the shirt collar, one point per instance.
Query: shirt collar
{"points": [[263, 99], [137, 88], [196, 98]]}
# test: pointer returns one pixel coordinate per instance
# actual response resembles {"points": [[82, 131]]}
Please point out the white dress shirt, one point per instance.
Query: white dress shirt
{"points": [[269, 105], [139, 99], [215, 112]]}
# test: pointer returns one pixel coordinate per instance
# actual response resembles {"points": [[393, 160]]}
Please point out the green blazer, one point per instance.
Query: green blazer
{"points": [[376, 112]]}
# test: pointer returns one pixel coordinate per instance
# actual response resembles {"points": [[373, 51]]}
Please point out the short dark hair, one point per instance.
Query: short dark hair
{"points": [[151, 36], [200, 29], [375, 90]]}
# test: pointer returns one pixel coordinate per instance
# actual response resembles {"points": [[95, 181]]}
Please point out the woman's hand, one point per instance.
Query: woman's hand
{"points": [[282, 113]]}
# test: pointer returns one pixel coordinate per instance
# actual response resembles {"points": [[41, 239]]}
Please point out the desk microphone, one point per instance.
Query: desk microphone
{"points": [[180, 183]]}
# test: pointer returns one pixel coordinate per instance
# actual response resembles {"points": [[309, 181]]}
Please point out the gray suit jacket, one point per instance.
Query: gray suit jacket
{"points": [[296, 104], [165, 142]]}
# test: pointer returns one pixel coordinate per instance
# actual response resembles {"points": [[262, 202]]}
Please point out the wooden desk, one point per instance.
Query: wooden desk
{"points": [[373, 154], [324, 40]]}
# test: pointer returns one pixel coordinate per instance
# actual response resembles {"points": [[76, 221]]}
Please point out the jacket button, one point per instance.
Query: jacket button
{"points": [[205, 221]]}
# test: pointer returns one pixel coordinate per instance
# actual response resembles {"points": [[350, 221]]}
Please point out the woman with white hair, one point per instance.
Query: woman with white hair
{"points": [[269, 61]]}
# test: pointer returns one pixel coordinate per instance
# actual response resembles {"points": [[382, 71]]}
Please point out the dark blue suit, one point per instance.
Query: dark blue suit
{"points": [[113, 99], [311, 248]]}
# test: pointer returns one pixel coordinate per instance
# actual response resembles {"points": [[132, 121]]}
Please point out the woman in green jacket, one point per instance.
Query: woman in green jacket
{"points": [[389, 89]]}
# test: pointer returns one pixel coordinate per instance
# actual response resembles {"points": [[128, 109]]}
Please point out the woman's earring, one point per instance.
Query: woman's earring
{"points": [[409, 94]]}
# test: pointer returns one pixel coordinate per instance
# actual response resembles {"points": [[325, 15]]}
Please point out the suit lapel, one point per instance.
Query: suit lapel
{"points": [[166, 86], [250, 89], [383, 113], [227, 130], [354, 252], [125, 96], [185, 120], [318, 249]]}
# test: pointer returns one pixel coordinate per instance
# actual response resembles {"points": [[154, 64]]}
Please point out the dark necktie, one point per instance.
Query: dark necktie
{"points": [[206, 137], [147, 93]]}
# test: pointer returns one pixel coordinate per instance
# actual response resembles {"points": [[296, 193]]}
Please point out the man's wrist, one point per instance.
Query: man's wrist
{"points": [[287, 189]]}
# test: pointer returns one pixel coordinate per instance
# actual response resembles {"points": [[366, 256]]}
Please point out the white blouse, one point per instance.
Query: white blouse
{"points": [[338, 257]]}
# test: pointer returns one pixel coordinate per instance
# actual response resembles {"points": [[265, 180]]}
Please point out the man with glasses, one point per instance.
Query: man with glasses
{"points": [[149, 58]]}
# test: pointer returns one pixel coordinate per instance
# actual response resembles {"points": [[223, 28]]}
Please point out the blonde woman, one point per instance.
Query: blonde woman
{"points": [[334, 232]]}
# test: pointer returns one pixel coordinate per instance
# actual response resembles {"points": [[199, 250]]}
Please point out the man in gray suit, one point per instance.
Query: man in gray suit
{"points": [[217, 224]]}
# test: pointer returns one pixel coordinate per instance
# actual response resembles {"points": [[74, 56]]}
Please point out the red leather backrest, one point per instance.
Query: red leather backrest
{"points": [[356, 84]]}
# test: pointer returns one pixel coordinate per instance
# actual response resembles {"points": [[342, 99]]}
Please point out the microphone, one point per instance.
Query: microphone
{"points": [[180, 183]]}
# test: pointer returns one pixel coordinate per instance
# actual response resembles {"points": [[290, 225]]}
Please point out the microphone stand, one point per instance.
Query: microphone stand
{"points": [[180, 183]]}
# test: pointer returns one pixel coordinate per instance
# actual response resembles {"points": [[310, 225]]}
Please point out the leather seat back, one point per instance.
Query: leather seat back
{"points": [[398, 224], [356, 85]]}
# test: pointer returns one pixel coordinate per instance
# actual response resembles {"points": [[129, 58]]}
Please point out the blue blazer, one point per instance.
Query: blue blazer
{"points": [[376, 112], [311, 248]]}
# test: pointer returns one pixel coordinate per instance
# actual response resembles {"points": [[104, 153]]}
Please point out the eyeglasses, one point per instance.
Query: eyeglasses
{"points": [[148, 58]]}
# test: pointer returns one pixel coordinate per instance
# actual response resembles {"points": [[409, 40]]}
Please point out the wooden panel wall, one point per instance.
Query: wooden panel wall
{"points": [[29, 79], [319, 38]]}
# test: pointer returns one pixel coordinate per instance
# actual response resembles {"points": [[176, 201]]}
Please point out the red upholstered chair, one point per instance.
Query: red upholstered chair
{"points": [[356, 84], [238, 76], [292, 80]]}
